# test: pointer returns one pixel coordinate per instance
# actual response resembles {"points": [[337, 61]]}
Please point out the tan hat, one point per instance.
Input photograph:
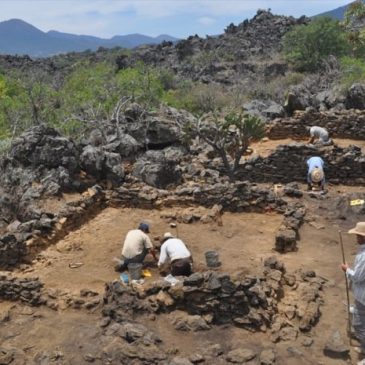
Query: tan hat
{"points": [[317, 175], [168, 235], [359, 229]]}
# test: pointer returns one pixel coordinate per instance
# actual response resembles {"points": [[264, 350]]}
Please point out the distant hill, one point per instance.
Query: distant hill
{"points": [[21, 38], [337, 13]]}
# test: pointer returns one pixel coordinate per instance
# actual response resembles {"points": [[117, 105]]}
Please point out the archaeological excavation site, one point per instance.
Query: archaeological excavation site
{"points": [[265, 285], [277, 296]]}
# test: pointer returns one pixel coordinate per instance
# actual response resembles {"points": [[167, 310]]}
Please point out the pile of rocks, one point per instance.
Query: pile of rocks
{"points": [[340, 124], [209, 298], [26, 290], [287, 235]]}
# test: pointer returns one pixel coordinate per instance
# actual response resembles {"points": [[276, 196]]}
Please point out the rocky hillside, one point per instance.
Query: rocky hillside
{"points": [[245, 49], [248, 48]]}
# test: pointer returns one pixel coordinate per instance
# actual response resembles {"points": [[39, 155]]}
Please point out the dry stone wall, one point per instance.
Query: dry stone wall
{"points": [[288, 163], [26, 290], [340, 124], [211, 297]]}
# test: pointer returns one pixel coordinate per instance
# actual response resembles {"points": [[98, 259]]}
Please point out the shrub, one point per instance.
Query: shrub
{"points": [[353, 70], [307, 45]]}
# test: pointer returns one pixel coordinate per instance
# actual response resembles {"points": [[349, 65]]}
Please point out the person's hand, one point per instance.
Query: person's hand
{"points": [[153, 253], [344, 267]]}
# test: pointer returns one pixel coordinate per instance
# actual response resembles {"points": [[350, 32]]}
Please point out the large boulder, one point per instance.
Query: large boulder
{"points": [[156, 170], [355, 98], [43, 146], [298, 98], [102, 165]]}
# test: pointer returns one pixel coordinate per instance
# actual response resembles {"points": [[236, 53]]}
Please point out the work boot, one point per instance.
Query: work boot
{"points": [[120, 265]]}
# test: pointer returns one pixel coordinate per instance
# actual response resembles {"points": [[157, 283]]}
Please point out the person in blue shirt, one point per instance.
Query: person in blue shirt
{"points": [[315, 175]]}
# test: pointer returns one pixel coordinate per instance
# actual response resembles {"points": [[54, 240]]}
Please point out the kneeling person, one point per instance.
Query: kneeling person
{"points": [[174, 249], [136, 246]]}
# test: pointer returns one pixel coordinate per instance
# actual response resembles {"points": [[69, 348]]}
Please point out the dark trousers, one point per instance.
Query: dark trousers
{"points": [[181, 267], [138, 259]]}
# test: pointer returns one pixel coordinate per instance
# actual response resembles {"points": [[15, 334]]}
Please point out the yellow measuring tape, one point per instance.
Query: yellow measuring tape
{"points": [[357, 202]]}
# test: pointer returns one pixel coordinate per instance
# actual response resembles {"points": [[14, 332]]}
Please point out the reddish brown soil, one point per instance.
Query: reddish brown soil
{"points": [[243, 241]]}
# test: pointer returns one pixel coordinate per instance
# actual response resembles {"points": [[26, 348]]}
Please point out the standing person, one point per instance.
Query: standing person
{"points": [[174, 249], [315, 174], [136, 246], [319, 135], [357, 278]]}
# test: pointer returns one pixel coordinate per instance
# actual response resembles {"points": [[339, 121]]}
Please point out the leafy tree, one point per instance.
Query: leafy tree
{"points": [[306, 46], [229, 135], [141, 82], [90, 92], [354, 24]]}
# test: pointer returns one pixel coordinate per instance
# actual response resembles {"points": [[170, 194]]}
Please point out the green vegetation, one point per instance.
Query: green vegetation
{"points": [[354, 25], [229, 135], [353, 70], [306, 46]]}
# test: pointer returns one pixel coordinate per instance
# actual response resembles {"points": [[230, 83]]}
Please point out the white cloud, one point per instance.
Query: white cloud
{"points": [[103, 17], [205, 20]]}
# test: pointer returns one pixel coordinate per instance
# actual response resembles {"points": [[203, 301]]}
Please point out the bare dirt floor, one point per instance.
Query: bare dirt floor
{"points": [[83, 260]]}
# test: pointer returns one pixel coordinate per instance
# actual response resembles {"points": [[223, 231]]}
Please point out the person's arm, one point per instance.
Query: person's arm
{"points": [[163, 255], [149, 246], [357, 274]]}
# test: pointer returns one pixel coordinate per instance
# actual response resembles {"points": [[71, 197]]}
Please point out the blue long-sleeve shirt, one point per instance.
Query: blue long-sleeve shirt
{"points": [[315, 163], [357, 275]]}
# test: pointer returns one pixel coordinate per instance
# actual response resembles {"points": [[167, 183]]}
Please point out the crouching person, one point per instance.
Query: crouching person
{"points": [[174, 251], [136, 246]]}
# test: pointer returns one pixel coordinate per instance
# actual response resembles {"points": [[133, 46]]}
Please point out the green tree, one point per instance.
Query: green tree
{"points": [[306, 46], [229, 135], [354, 24], [141, 83]]}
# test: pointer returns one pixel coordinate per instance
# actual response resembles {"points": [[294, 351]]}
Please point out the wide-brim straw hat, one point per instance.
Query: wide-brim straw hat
{"points": [[317, 175], [359, 229]]}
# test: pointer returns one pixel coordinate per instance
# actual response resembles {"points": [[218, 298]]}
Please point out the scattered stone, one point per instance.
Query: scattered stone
{"points": [[240, 356], [307, 341], [197, 358], [267, 357], [180, 361], [335, 346]]}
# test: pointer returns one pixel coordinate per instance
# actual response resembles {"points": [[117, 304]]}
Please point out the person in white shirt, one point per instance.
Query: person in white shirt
{"points": [[357, 278], [174, 250], [319, 135], [136, 246]]}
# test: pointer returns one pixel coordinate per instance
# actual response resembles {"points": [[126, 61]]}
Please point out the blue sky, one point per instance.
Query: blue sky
{"points": [[179, 18]]}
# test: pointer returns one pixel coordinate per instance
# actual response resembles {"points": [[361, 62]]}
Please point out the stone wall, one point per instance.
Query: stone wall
{"points": [[233, 197], [26, 290], [250, 301], [26, 239], [288, 163], [340, 124]]}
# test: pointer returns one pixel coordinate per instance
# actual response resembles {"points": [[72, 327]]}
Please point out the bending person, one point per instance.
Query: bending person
{"points": [[315, 174], [174, 250], [319, 135], [136, 246]]}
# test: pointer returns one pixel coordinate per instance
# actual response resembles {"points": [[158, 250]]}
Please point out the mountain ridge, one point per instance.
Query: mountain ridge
{"points": [[18, 37]]}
